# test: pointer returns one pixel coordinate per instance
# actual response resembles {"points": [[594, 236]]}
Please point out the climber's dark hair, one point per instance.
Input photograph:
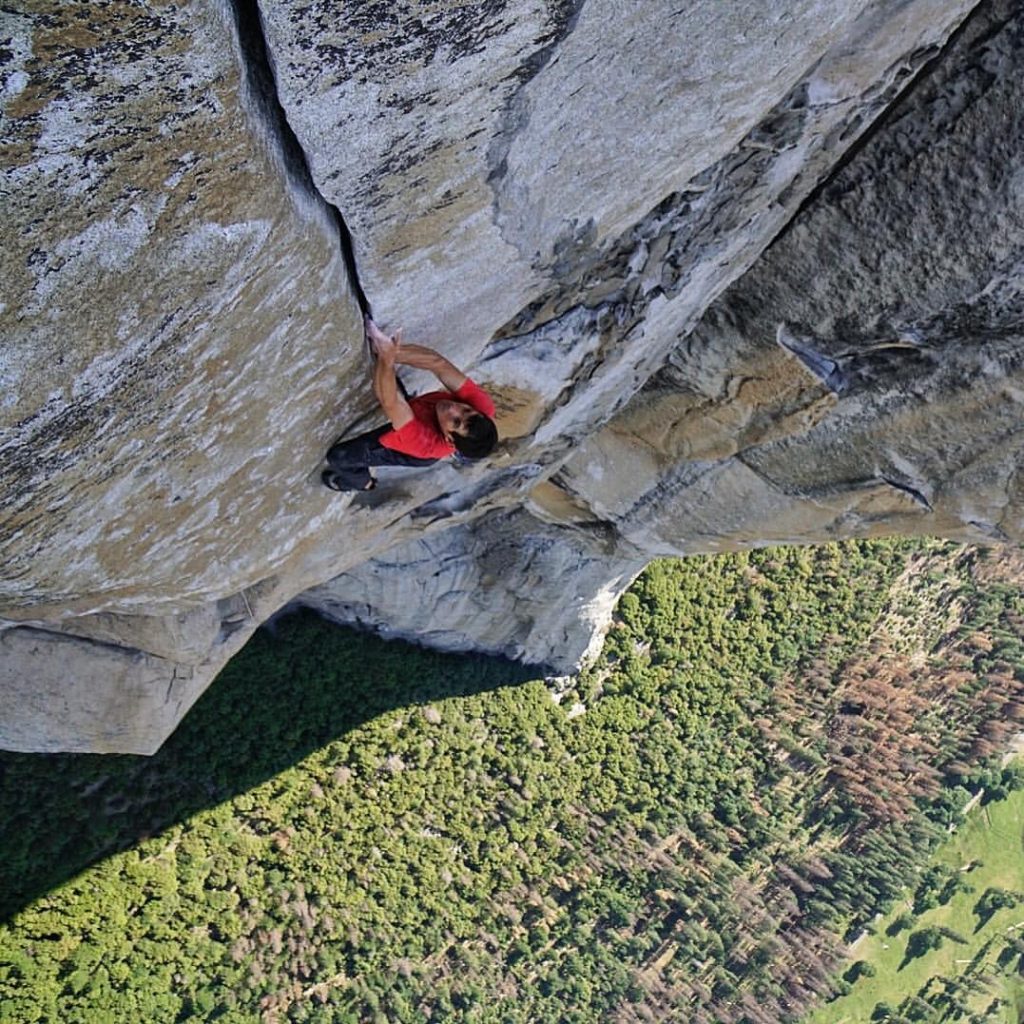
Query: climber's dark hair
{"points": [[480, 438]]}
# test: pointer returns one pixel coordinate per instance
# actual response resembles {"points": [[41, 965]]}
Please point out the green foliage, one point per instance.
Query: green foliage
{"points": [[860, 969], [969, 974], [927, 894], [993, 899], [901, 923], [349, 830], [938, 885], [923, 941]]}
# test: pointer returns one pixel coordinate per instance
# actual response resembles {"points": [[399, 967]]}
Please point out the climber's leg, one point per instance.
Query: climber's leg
{"points": [[350, 461]]}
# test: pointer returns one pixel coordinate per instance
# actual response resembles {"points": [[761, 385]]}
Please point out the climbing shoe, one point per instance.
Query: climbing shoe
{"points": [[334, 481]]}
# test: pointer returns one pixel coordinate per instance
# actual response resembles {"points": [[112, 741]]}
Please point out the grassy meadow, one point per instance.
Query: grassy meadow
{"points": [[988, 851]]}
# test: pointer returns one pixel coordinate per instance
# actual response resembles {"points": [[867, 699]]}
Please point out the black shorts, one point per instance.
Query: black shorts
{"points": [[351, 460]]}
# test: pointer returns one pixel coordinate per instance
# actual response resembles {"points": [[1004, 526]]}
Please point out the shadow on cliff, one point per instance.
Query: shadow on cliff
{"points": [[282, 697]]}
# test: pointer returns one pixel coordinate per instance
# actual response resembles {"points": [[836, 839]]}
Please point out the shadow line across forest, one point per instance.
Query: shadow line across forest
{"points": [[282, 697]]}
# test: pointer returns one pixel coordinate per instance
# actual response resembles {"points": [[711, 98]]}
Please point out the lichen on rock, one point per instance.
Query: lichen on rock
{"points": [[611, 216]]}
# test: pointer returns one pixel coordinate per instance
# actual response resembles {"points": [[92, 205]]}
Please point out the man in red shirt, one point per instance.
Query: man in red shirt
{"points": [[423, 429]]}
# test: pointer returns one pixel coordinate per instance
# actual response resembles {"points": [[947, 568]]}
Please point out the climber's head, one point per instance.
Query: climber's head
{"points": [[473, 434]]}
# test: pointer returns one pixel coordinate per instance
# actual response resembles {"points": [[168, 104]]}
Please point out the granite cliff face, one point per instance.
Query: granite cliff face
{"points": [[734, 278]]}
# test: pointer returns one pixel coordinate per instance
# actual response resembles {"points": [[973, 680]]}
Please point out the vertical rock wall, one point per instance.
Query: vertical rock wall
{"points": [[894, 403], [667, 475], [561, 194], [175, 320]]}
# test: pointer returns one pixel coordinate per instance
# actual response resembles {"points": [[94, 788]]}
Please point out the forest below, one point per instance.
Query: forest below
{"points": [[950, 949], [764, 757]]}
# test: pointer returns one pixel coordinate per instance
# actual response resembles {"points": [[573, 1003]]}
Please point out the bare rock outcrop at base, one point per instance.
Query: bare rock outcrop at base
{"points": [[455, 580]]}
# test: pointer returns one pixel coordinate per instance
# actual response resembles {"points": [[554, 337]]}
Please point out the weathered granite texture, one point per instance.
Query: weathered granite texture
{"points": [[175, 317], [561, 195], [490, 155], [867, 376], [444, 590], [863, 378]]}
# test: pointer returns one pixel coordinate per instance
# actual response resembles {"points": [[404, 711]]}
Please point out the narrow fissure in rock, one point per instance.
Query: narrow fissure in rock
{"points": [[258, 74]]}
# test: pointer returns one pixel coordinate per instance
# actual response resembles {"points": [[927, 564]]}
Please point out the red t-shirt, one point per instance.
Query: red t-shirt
{"points": [[421, 436]]}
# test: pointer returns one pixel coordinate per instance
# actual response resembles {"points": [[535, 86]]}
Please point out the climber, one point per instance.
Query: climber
{"points": [[423, 429]]}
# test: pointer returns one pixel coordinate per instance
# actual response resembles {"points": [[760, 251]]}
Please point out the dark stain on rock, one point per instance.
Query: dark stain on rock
{"points": [[562, 18], [375, 30], [932, 103], [685, 227]]}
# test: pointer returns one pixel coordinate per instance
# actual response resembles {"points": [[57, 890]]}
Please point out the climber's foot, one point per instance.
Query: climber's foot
{"points": [[333, 481]]}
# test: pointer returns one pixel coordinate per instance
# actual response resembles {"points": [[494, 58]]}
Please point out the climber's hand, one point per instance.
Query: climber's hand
{"points": [[373, 332], [385, 347]]}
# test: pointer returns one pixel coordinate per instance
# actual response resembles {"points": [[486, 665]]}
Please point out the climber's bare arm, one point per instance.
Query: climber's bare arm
{"points": [[416, 355], [395, 407], [424, 358], [419, 356]]}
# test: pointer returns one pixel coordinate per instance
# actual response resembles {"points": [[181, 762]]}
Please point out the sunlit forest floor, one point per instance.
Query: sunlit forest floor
{"points": [[974, 971], [763, 758]]}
